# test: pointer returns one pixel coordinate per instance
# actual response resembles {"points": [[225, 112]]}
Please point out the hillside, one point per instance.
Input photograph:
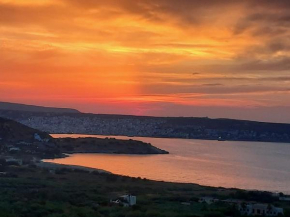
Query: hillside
{"points": [[107, 145], [16, 138], [163, 127], [33, 108], [12, 131]]}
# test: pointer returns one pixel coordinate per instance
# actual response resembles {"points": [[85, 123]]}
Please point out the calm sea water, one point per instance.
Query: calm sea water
{"points": [[246, 165]]}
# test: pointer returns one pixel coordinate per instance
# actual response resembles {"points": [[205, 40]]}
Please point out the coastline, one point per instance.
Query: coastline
{"points": [[49, 165], [53, 165], [156, 137], [198, 154], [106, 146], [70, 187]]}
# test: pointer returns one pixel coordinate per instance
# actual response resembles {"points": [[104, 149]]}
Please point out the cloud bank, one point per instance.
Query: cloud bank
{"points": [[187, 54]]}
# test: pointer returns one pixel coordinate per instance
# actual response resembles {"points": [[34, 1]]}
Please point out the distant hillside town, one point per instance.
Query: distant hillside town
{"points": [[163, 127]]}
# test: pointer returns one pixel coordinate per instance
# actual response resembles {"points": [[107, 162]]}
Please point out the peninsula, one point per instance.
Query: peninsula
{"points": [[22, 141]]}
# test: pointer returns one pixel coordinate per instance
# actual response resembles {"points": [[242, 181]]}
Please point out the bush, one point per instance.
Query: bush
{"points": [[213, 214]]}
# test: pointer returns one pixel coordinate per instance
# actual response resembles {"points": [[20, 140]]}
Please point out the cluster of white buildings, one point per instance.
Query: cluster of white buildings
{"points": [[248, 208], [260, 210]]}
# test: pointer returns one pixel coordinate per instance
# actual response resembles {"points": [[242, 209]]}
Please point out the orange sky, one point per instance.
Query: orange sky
{"points": [[153, 57]]}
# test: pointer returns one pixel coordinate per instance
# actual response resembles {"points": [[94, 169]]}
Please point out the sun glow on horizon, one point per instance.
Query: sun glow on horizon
{"points": [[92, 54]]}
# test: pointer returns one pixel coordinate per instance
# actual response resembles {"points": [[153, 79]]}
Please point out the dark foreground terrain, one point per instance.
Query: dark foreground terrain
{"points": [[29, 188], [28, 191]]}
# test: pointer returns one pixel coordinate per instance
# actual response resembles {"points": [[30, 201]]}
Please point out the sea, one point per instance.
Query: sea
{"points": [[230, 164]]}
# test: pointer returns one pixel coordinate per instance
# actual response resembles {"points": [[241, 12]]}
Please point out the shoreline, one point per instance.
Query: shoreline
{"points": [[69, 187], [166, 178], [154, 137], [53, 165], [105, 145], [50, 165]]}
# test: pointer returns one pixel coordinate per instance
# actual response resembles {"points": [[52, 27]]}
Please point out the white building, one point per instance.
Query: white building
{"points": [[125, 200], [14, 161], [14, 149], [208, 200], [284, 198], [129, 199], [260, 210]]}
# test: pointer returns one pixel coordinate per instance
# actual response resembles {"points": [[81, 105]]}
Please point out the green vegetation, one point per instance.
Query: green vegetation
{"points": [[36, 192], [107, 145]]}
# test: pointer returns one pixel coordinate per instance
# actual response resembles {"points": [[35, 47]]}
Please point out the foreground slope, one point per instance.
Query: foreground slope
{"points": [[35, 192]]}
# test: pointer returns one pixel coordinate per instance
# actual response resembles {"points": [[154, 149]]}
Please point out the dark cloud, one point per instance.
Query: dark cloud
{"points": [[184, 12], [276, 46], [278, 18], [228, 78], [212, 84], [31, 14], [254, 67], [274, 53], [267, 22], [278, 64], [196, 11], [211, 90]]}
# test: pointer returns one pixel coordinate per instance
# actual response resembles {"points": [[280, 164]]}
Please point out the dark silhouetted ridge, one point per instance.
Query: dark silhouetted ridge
{"points": [[13, 131], [33, 108]]}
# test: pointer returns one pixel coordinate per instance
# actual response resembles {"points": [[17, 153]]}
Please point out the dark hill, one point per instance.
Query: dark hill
{"points": [[28, 141], [13, 131], [33, 108], [163, 127]]}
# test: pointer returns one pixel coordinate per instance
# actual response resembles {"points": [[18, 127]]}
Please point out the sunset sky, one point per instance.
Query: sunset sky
{"points": [[216, 58]]}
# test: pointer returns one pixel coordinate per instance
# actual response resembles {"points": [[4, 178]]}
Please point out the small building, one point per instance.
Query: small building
{"points": [[185, 203], [14, 161], [14, 149], [2, 174], [260, 210], [208, 200], [125, 200], [284, 198], [37, 137], [52, 171], [24, 143]]}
